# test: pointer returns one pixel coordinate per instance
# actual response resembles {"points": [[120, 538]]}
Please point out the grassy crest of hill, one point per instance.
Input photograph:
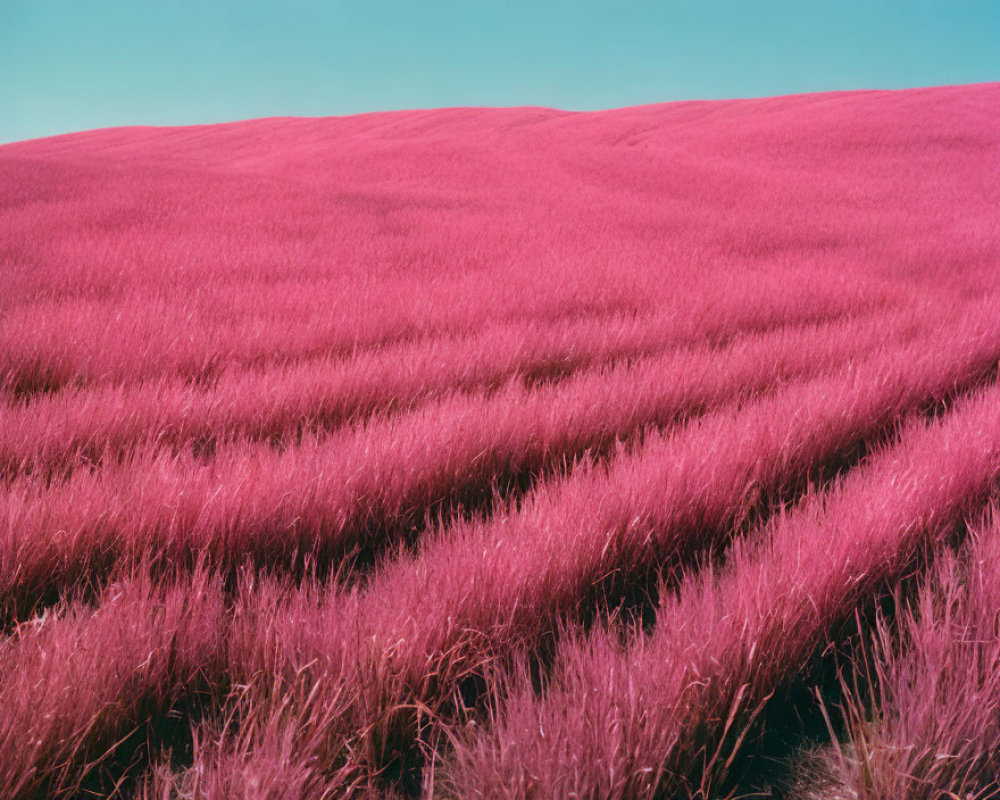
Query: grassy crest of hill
{"points": [[505, 453]]}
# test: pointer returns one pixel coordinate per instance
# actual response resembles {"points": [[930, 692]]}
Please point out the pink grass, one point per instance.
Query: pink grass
{"points": [[315, 434], [667, 714], [52, 433], [482, 591], [928, 723], [363, 489], [78, 683]]}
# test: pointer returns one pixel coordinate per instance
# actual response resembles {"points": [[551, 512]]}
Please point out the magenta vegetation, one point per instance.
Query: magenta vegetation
{"points": [[506, 453]]}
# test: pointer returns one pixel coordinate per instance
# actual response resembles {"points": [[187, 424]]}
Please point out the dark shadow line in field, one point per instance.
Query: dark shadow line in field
{"points": [[164, 733]]}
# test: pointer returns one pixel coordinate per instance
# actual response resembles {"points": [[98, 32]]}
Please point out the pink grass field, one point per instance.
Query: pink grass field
{"points": [[506, 453]]}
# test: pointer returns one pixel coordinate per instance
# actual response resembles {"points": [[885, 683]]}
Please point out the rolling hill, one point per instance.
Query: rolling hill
{"points": [[505, 453]]}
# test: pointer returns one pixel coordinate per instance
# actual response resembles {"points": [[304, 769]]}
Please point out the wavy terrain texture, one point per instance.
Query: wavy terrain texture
{"points": [[516, 453]]}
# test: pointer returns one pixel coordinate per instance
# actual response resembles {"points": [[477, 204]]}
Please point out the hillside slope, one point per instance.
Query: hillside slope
{"points": [[502, 453]]}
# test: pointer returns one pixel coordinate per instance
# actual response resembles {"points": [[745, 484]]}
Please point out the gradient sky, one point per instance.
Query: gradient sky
{"points": [[69, 65]]}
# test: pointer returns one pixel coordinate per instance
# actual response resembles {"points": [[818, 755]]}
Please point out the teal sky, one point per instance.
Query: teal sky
{"points": [[69, 65]]}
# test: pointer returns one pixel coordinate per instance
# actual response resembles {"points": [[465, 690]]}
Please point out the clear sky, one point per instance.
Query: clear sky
{"points": [[70, 65]]}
